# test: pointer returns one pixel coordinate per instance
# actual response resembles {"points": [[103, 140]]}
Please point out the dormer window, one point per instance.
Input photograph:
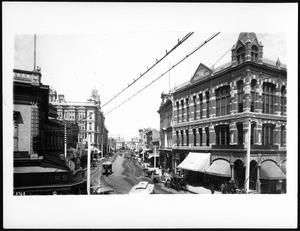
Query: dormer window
{"points": [[254, 53], [240, 55]]}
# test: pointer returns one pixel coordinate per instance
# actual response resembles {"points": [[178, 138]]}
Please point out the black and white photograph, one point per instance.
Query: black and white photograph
{"points": [[143, 115]]}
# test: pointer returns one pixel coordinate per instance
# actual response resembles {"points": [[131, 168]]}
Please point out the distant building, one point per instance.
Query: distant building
{"points": [[87, 115]]}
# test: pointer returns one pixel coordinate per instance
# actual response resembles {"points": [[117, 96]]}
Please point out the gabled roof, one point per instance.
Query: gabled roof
{"points": [[201, 72]]}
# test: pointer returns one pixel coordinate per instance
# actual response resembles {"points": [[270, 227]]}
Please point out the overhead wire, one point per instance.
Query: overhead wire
{"points": [[192, 52], [179, 42], [148, 69]]}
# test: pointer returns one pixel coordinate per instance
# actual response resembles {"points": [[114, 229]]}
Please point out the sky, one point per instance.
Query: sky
{"points": [[107, 45], [73, 64]]}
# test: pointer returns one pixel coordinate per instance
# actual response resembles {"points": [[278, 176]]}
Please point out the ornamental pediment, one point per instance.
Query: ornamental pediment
{"points": [[201, 72]]}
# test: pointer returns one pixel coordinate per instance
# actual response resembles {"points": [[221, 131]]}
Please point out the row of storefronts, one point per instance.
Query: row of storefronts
{"points": [[207, 123]]}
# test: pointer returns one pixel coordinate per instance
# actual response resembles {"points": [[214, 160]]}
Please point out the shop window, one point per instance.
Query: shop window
{"points": [[240, 90], [223, 101], [222, 134], [268, 134]]}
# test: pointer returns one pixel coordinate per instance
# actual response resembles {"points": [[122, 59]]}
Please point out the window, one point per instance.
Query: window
{"points": [[201, 105], [240, 130], [200, 136], [267, 134], [177, 138], [187, 137], [283, 100], [254, 53], [66, 114], [195, 137], [177, 105], [187, 110], [252, 133], [182, 111], [195, 108], [181, 137], [207, 136], [240, 55], [283, 136], [91, 115], [268, 97], [222, 135], [240, 89], [90, 126], [223, 101], [207, 104], [252, 94]]}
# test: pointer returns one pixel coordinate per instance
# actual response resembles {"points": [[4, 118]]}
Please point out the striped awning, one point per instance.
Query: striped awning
{"points": [[219, 168], [270, 171]]}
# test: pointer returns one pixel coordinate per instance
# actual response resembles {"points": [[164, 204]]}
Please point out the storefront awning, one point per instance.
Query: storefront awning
{"points": [[198, 162], [283, 167], [219, 168], [270, 171]]}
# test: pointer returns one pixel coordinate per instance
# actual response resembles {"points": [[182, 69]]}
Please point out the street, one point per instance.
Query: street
{"points": [[127, 173]]}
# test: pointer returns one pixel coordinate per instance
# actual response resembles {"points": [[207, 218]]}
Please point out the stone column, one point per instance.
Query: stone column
{"points": [[260, 54], [212, 135], [259, 90], [277, 134], [246, 132], [203, 136], [232, 171], [233, 133], [257, 133], [233, 56], [212, 112], [233, 98], [204, 106], [258, 184], [277, 110], [248, 49], [247, 91]]}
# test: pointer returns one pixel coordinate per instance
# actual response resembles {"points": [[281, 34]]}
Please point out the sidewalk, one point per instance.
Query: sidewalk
{"points": [[200, 190]]}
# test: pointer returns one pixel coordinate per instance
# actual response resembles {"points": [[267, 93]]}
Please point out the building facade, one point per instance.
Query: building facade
{"points": [[220, 110], [39, 139], [166, 131], [87, 115]]}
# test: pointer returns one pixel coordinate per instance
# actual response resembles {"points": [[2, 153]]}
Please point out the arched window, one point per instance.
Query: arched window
{"points": [[254, 53], [268, 98], [222, 134], [201, 105], [252, 94], [240, 90], [283, 99], [207, 104], [223, 101], [240, 55]]}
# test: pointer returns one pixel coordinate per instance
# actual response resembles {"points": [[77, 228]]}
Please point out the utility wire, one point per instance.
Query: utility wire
{"points": [[192, 52], [148, 69]]}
